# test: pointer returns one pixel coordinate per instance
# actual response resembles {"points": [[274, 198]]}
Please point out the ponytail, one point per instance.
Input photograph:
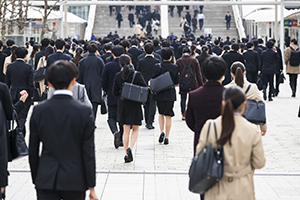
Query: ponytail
{"points": [[228, 124], [125, 71], [239, 78]]}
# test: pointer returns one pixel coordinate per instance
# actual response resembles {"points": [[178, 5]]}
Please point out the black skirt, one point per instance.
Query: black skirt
{"points": [[130, 113], [165, 108]]}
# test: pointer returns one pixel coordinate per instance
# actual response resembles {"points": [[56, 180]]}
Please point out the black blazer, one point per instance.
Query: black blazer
{"points": [[19, 76], [217, 50], [57, 56], [156, 55], [7, 51], [258, 49], [107, 81], [146, 67], [2, 59], [231, 57], [170, 94], [268, 60], [251, 60], [65, 127], [227, 18], [135, 52], [105, 56], [90, 72]]}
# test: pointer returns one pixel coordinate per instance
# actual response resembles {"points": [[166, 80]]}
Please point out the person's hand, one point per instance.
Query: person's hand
{"points": [[263, 133], [274, 48], [24, 95], [93, 195], [258, 72], [2, 190]]}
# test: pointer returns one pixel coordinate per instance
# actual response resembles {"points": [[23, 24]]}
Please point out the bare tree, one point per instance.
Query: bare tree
{"points": [[46, 15], [12, 17], [22, 15], [3, 7]]}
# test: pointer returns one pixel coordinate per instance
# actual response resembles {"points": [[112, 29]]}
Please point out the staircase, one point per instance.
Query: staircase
{"points": [[214, 19]]}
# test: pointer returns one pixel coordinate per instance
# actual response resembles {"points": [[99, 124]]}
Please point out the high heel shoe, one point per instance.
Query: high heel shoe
{"points": [[129, 153]]}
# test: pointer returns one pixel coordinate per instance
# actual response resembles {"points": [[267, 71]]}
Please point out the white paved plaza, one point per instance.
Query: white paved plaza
{"points": [[160, 172]]}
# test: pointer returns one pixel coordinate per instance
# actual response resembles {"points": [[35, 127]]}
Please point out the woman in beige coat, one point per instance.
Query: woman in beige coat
{"points": [[243, 150], [10, 59], [238, 72]]}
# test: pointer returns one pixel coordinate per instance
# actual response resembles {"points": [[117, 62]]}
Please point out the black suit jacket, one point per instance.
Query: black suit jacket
{"points": [[37, 57], [19, 76], [156, 55], [217, 50], [135, 52], [228, 18], [65, 127], [146, 67], [259, 50], [68, 53], [2, 59], [251, 60], [90, 72], [268, 60], [231, 57], [179, 51], [7, 51], [105, 56], [107, 81]]}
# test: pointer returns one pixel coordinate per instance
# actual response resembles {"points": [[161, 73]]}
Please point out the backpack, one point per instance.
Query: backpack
{"points": [[295, 57], [187, 77]]}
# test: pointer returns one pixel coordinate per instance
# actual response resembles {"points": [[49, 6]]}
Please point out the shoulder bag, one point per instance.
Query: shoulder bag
{"points": [[161, 83], [259, 82], [104, 107], [281, 78], [255, 112], [134, 92], [39, 74], [207, 167]]}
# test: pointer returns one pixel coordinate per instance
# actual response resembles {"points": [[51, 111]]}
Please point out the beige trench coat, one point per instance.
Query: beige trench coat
{"points": [[7, 61], [245, 155], [290, 69], [252, 94]]}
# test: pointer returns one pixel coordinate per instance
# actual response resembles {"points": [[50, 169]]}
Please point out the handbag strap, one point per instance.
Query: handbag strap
{"points": [[215, 128], [207, 133], [248, 88], [134, 74]]}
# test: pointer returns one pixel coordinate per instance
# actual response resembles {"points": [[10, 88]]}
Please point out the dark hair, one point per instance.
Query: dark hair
{"points": [[165, 43], [77, 56], [52, 43], [294, 41], [60, 43], [10, 43], [260, 41], [221, 44], [226, 48], [216, 42], [92, 47], [49, 50], [250, 45], [118, 50], [1, 44], [107, 47], [124, 60], [186, 50], [233, 97], [134, 42], [67, 46], [193, 49], [60, 74], [125, 44], [35, 49], [149, 48], [203, 54], [166, 53], [255, 43], [238, 69], [21, 52], [214, 68], [13, 53], [235, 46], [269, 45]]}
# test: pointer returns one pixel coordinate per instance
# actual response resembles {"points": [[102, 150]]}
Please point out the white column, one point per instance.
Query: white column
{"points": [[276, 23], [65, 21], [282, 29], [164, 20], [61, 9]]}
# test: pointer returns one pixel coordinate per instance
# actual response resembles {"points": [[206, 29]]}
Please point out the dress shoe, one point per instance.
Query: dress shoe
{"points": [[117, 139], [265, 95], [150, 127], [127, 159], [183, 117], [129, 153], [270, 99], [166, 141], [161, 137], [294, 94]]}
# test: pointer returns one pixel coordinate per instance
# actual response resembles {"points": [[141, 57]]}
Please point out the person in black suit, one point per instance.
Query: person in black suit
{"points": [[119, 18], [180, 48], [165, 99], [131, 19], [135, 52], [279, 68], [175, 45], [146, 66], [45, 43], [107, 52], [67, 48], [261, 44], [257, 48], [267, 68], [9, 44], [227, 42], [19, 76], [188, 17], [227, 20], [156, 55], [107, 80], [217, 49], [2, 59], [251, 63], [65, 127], [90, 72], [230, 57]]}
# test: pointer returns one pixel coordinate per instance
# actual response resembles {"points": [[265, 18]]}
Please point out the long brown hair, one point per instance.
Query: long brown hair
{"points": [[238, 69], [13, 53], [233, 97], [77, 57]]}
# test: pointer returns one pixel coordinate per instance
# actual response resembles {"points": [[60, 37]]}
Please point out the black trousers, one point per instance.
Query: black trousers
{"points": [[23, 114], [293, 82], [119, 23], [268, 79], [228, 25], [200, 23], [58, 195], [130, 23], [277, 82], [183, 102], [251, 76], [149, 109], [112, 120], [95, 108]]}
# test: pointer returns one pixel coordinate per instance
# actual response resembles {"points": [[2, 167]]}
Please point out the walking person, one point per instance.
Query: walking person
{"points": [[44, 44], [9, 44], [66, 133], [119, 18], [129, 112], [279, 68], [292, 69], [204, 54], [227, 20], [155, 24], [242, 146], [251, 63], [2, 59], [10, 59], [194, 23], [201, 18], [131, 19], [165, 99], [188, 17]]}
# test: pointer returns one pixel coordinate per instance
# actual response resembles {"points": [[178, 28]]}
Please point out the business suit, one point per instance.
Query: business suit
{"points": [[204, 103], [179, 51], [290, 70], [251, 63], [7, 51], [2, 59], [105, 56], [156, 55], [107, 81], [217, 50], [66, 132], [90, 72], [279, 68], [244, 155], [146, 67], [135, 52], [19, 76], [227, 19], [231, 57]]}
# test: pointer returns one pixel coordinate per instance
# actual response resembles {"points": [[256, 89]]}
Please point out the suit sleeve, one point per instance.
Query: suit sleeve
{"points": [[80, 75], [7, 104], [189, 115], [280, 57], [116, 88], [30, 82], [287, 55], [176, 82], [198, 73], [88, 150], [34, 146], [141, 80], [257, 157], [7, 77], [104, 79]]}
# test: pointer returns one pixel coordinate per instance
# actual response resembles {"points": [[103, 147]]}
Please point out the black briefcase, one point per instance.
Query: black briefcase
{"points": [[281, 78], [134, 92], [299, 112], [39, 74], [255, 112], [259, 82], [161, 83]]}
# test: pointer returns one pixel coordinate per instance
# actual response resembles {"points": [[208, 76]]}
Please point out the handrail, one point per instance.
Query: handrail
{"points": [[238, 21], [91, 21]]}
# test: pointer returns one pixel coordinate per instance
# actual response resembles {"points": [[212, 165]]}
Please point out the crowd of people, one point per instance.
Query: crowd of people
{"points": [[219, 76]]}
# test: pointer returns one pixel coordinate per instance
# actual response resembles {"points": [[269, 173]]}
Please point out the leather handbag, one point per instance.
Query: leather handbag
{"points": [[134, 92], [259, 82], [161, 83], [281, 78], [255, 111], [207, 167], [39, 74], [104, 106], [17, 144]]}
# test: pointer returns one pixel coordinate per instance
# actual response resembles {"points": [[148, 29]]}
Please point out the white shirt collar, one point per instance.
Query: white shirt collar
{"points": [[58, 50], [63, 92], [20, 59]]}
